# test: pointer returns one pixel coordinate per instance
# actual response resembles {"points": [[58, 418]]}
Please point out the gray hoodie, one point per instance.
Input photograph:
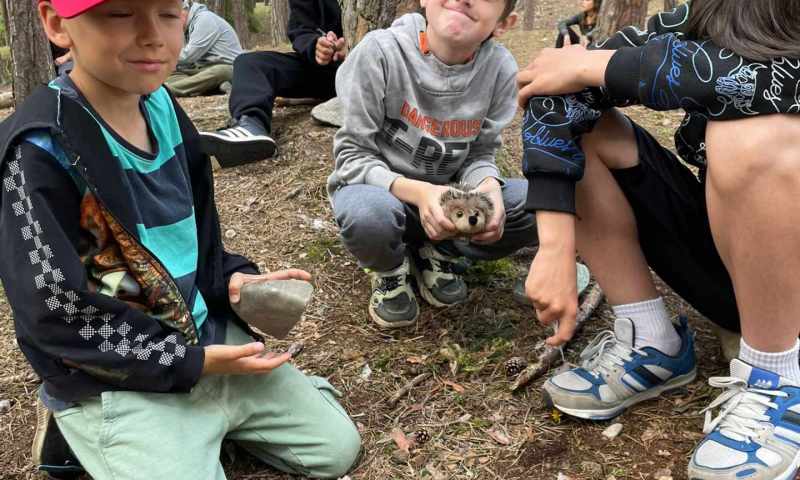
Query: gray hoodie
{"points": [[407, 114], [210, 40]]}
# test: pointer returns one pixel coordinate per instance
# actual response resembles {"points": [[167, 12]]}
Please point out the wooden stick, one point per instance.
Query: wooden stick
{"points": [[290, 102], [407, 388], [548, 356]]}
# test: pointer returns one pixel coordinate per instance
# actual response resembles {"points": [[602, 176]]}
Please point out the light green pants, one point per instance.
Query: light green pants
{"points": [[288, 420], [199, 81]]}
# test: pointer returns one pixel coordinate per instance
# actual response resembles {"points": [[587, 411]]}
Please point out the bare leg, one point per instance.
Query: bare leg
{"points": [[606, 235], [752, 191]]}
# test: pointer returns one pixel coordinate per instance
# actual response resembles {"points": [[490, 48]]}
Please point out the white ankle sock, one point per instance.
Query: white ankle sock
{"points": [[653, 325], [786, 364]]}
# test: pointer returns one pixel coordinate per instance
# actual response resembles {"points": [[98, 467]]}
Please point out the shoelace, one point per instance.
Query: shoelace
{"points": [[743, 409], [441, 266], [604, 352], [389, 283]]}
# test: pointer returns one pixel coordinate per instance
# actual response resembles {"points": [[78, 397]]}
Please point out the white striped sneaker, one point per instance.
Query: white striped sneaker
{"points": [[246, 142], [756, 434], [616, 375]]}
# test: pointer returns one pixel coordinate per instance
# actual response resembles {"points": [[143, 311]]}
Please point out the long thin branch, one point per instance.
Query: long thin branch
{"points": [[407, 388], [547, 356]]}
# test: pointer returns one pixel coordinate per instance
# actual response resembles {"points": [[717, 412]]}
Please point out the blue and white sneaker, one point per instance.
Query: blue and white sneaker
{"points": [[756, 435], [615, 374]]}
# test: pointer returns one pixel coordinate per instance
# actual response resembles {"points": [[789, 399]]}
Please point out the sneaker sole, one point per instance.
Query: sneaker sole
{"points": [[788, 474], [43, 415], [231, 152], [609, 413], [391, 325]]}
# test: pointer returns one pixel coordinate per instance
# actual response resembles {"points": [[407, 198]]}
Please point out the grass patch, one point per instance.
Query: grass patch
{"points": [[323, 248], [485, 272], [258, 22]]}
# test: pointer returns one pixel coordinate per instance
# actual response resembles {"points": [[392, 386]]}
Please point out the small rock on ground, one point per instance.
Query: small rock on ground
{"points": [[328, 113], [613, 431]]}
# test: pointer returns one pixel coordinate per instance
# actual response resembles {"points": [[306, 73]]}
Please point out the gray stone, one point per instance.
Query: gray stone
{"points": [[275, 306], [328, 113], [5, 405]]}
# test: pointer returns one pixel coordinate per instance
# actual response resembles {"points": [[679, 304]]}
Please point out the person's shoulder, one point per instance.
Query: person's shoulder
{"points": [[40, 108]]}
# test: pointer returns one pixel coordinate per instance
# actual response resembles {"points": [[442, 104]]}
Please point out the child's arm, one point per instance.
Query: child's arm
{"points": [[361, 86], [55, 310], [304, 26], [204, 35], [563, 25]]}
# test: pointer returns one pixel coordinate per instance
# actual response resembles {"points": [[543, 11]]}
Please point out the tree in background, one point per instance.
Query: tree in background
{"points": [[237, 13], [31, 58], [617, 14], [361, 16], [279, 20], [529, 14]]}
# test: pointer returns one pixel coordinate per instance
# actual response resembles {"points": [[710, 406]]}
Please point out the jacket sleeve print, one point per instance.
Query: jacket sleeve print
{"points": [[57, 310], [662, 70]]}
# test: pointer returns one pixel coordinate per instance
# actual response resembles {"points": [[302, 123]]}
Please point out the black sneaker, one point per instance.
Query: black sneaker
{"points": [[245, 142], [393, 303], [51, 454], [439, 279]]}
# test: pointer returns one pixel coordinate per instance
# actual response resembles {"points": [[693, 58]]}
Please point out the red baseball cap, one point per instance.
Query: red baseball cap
{"points": [[73, 8]]}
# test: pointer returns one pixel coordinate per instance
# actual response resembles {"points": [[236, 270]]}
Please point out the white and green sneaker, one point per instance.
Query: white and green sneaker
{"points": [[437, 279], [393, 303]]}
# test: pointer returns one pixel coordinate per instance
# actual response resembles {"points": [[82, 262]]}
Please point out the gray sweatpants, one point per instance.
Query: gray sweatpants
{"points": [[376, 227]]}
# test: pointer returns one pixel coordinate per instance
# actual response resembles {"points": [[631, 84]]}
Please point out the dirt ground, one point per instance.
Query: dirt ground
{"points": [[277, 213]]}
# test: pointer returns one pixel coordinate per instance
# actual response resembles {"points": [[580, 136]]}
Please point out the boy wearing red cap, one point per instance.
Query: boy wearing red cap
{"points": [[106, 207]]}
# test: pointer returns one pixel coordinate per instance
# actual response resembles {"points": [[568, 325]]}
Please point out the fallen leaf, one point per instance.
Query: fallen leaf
{"points": [[499, 437], [458, 388], [400, 439], [416, 360]]}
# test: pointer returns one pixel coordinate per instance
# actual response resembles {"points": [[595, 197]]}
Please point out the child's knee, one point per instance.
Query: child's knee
{"points": [[745, 153], [342, 453], [612, 141], [369, 220]]}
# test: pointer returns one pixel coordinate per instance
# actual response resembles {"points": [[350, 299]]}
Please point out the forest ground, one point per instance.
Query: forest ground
{"points": [[276, 212]]}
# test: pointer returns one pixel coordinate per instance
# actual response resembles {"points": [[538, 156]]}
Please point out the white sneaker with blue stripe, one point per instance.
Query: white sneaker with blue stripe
{"points": [[756, 435], [615, 374]]}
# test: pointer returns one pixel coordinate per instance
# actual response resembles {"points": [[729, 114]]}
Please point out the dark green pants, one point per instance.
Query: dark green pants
{"points": [[199, 81]]}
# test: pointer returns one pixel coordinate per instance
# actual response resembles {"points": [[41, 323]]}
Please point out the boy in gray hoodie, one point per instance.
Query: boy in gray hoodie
{"points": [[425, 103]]}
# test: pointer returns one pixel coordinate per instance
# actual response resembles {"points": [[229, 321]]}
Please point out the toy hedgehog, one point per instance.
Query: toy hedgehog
{"points": [[469, 210]]}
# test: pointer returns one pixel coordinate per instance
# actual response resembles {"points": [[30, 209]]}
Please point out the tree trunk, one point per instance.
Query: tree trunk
{"points": [[6, 40], [240, 16], [617, 14], [530, 15], [31, 59], [408, 6], [670, 5], [217, 6], [361, 16], [279, 21]]}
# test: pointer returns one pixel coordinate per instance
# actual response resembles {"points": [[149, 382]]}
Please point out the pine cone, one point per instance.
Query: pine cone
{"points": [[515, 366], [421, 436]]}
